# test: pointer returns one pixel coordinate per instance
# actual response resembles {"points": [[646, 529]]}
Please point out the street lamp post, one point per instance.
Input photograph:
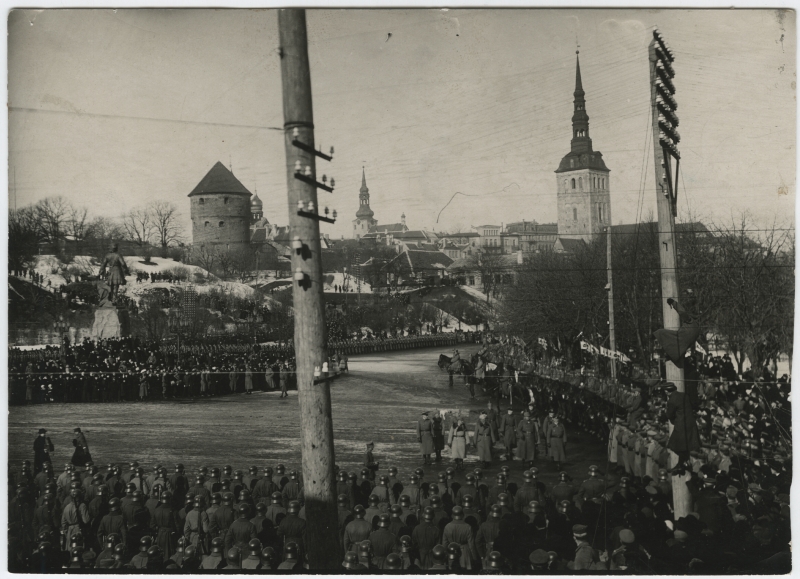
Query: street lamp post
{"points": [[178, 324], [60, 327]]}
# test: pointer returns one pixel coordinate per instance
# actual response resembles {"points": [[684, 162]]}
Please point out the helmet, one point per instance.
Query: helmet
{"points": [[419, 472], [280, 469], [359, 511], [384, 479], [189, 552], [244, 508], [563, 506], [276, 497], [384, 520], [563, 475], [457, 512], [428, 514], [268, 556], [119, 549], [405, 544], [505, 469], [290, 550], [442, 478], [113, 504], [454, 551], [527, 476], [534, 471], [495, 560], [216, 499], [351, 560], [197, 502], [293, 508], [216, 545], [451, 472], [478, 474], [254, 546], [165, 496], [227, 469], [74, 493], [501, 478], [393, 562], [396, 510], [226, 484], [227, 499], [365, 547], [439, 554], [497, 511], [233, 554], [535, 508], [414, 479], [405, 501], [200, 479], [261, 508], [97, 478], [181, 543], [244, 494], [293, 475], [352, 476], [392, 471], [76, 539], [343, 500], [145, 543], [433, 489], [112, 540], [215, 472], [374, 500], [364, 472], [504, 499], [436, 501], [470, 477], [153, 551], [238, 475], [342, 476], [253, 470], [466, 501]]}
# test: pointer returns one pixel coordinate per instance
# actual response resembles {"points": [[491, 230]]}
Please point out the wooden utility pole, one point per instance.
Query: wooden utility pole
{"points": [[612, 340], [316, 424], [667, 249]]}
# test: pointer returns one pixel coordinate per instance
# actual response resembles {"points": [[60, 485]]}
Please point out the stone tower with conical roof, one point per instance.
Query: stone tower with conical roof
{"points": [[364, 216], [584, 199], [220, 210]]}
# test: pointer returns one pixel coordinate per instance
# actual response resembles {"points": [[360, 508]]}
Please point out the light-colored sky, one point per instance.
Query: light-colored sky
{"points": [[114, 109]]}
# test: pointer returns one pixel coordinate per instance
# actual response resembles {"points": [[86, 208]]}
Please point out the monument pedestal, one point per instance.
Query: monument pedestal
{"points": [[110, 323]]}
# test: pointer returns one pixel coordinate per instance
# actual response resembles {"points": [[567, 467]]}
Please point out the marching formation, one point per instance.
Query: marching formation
{"points": [[129, 369]]}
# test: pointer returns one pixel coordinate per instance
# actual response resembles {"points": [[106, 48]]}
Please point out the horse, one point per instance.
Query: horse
{"points": [[444, 362]]}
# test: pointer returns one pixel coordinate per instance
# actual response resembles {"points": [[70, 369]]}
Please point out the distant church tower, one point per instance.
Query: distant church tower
{"points": [[584, 201], [364, 216]]}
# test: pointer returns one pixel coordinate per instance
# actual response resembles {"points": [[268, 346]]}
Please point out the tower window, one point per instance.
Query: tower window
{"points": [[226, 200], [572, 164], [207, 223], [574, 213], [222, 224], [573, 181], [202, 201]]}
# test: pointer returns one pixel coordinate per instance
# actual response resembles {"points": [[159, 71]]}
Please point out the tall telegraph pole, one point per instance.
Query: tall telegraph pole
{"points": [[316, 424], [612, 340], [665, 140]]}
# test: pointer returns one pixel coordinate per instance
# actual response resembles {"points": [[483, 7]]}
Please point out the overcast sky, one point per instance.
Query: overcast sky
{"points": [[115, 109]]}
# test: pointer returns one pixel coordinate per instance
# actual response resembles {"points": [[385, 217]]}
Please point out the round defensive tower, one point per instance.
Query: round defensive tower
{"points": [[220, 209]]}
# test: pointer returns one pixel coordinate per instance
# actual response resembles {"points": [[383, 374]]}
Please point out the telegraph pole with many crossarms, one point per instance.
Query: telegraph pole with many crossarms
{"points": [[665, 141]]}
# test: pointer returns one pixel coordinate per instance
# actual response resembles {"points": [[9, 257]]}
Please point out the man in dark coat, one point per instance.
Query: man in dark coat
{"points": [[425, 438], [685, 437], [459, 531], [165, 521], [292, 528], [42, 447], [425, 536], [438, 435], [383, 541]]}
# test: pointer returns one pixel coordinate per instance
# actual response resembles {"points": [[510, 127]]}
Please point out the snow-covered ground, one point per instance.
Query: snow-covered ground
{"points": [[338, 279]]}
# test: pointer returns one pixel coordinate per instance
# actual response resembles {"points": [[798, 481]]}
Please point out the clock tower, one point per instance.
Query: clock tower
{"points": [[584, 199]]}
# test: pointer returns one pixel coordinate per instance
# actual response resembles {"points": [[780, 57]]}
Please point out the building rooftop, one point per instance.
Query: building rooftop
{"points": [[219, 180]]}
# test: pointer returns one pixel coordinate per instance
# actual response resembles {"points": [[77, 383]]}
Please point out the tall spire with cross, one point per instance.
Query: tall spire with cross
{"points": [[364, 216]]}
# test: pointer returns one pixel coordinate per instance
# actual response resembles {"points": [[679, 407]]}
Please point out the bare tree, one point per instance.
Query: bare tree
{"points": [[491, 266], [204, 256], [53, 214], [138, 226], [77, 225], [166, 224], [23, 238], [104, 228]]}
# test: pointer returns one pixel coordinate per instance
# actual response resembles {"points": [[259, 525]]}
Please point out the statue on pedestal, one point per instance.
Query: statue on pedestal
{"points": [[113, 271]]}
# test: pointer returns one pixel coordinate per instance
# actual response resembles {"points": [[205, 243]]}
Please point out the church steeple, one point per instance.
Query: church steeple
{"points": [[364, 211], [581, 143]]}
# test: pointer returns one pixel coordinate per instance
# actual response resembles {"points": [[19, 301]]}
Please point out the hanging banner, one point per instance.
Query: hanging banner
{"points": [[700, 349], [604, 352]]}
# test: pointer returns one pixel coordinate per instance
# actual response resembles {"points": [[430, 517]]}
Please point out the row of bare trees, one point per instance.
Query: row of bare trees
{"points": [[738, 277], [54, 220]]}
